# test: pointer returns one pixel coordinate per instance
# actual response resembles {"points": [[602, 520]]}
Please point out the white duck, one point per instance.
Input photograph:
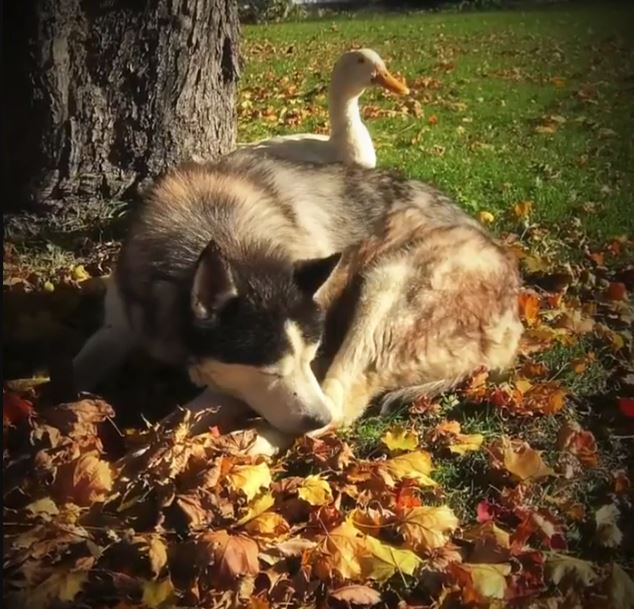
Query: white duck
{"points": [[349, 141]]}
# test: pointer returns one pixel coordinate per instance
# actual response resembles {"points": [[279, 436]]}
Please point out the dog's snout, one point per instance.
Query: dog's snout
{"points": [[311, 422]]}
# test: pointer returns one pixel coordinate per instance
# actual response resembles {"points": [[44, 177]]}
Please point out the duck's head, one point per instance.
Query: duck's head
{"points": [[362, 68]]}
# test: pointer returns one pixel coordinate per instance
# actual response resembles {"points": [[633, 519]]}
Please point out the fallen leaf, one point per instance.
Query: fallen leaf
{"points": [[250, 479], [464, 443], [560, 567], [616, 291], [315, 490], [608, 533], [427, 528], [157, 593], [523, 209], [234, 555], [341, 551], [45, 506], [356, 594], [14, 408], [398, 438], [259, 505], [620, 589], [415, 465], [62, 585], [487, 581], [486, 217], [519, 459], [85, 480], [578, 442], [268, 524], [385, 560], [626, 406], [79, 273], [529, 307]]}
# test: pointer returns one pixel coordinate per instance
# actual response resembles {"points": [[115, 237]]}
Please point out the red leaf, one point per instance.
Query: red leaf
{"points": [[14, 408], [626, 406]]}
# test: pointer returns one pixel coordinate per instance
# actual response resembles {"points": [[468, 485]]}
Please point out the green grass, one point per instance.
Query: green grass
{"points": [[499, 74]]}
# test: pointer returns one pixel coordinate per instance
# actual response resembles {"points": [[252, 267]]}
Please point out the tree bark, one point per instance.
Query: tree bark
{"points": [[101, 95]]}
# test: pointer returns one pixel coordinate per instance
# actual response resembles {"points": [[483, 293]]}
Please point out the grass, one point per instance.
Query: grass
{"points": [[491, 78]]}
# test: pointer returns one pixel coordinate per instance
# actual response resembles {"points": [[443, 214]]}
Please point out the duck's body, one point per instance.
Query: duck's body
{"points": [[349, 141]]}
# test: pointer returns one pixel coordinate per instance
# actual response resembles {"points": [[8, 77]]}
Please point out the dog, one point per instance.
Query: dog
{"points": [[306, 292]]}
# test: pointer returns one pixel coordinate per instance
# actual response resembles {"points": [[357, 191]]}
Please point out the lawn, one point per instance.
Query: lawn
{"points": [[514, 492]]}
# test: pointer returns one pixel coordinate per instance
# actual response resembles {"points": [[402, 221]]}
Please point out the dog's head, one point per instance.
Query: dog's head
{"points": [[255, 329]]}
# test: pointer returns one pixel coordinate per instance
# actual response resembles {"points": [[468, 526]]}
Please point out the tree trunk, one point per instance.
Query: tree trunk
{"points": [[102, 94]]}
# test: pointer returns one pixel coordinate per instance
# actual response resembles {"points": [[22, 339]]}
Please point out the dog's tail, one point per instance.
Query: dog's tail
{"points": [[392, 400]]}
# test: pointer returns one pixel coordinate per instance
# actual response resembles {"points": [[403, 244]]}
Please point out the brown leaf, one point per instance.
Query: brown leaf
{"points": [[268, 524], [356, 595], [84, 481], [578, 442], [234, 555]]}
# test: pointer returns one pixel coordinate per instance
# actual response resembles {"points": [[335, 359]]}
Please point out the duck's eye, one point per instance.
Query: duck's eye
{"points": [[361, 60]]}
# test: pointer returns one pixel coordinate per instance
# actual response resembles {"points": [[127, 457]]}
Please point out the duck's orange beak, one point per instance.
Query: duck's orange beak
{"points": [[384, 79]]}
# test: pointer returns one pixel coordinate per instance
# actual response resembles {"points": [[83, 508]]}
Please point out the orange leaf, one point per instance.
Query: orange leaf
{"points": [[433, 119], [616, 291], [529, 307]]}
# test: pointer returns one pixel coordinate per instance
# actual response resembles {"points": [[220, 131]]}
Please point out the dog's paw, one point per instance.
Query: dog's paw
{"points": [[269, 441]]}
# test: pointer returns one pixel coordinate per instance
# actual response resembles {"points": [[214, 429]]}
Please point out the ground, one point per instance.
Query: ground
{"points": [[508, 492]]}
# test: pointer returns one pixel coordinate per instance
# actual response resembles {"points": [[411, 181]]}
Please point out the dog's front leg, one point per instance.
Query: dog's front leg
{"points": [[224, 410]]}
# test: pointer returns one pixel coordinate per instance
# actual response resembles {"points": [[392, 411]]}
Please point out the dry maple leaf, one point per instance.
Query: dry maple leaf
{"points": [[608, 533], [426, 528], [400, 439], [415, 466], [620, 588], [62, 586], [529, 307], [448, 432], [315, 490], [519, 459], [561, 568], [259, 505], [356, 594], [491, 544], [382, 560], [480, 582], [578, 442], [84, 481], [340, 551], [268, 524], [157, 593], [250, 479], [234, 555]]}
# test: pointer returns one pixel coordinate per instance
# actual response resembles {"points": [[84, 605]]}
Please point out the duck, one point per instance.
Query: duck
{"points": [[349, 141]]}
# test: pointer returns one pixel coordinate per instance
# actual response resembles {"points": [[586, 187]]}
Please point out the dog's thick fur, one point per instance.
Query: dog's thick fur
{"points": [[228, 268]]}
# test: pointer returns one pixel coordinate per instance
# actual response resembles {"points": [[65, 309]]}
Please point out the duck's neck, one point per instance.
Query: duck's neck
{"points": [[345, 118]]}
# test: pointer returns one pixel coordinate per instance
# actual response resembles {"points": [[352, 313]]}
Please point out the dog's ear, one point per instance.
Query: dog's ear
{"points": [[310, 275], [213, 285]]}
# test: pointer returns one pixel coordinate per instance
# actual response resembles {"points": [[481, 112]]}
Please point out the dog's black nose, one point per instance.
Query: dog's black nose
{"points": [[311, 422]]}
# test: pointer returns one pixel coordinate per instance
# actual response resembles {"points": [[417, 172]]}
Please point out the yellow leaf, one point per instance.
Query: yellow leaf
{"points": [[44, 506], [156, 593], [250, 479], [486, 217], [521, 460], [560, 566], [60, 586], [384, 560], [269, 524], [399, 438], [463, 443], [315, 490], [426, 528], [415, 465], [489, 581], [342, 548], [620, 589], [523, 209], [259, 505], [79, 273]]}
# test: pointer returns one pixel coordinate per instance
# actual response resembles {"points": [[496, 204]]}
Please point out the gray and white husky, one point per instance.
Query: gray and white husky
{"points": [[306, 292]]}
